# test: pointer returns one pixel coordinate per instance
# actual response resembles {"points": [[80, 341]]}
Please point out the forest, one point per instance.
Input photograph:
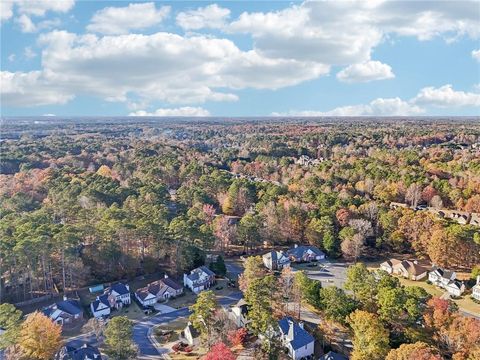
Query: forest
{"points": [[87, 201]]}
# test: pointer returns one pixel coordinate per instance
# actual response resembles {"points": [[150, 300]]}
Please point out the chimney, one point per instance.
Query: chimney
{"points": [[165, 276], [300, 324], [64, 297], [296, 246], [290, 334], [478, 279]]}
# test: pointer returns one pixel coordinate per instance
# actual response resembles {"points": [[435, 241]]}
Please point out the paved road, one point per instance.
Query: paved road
{"points": [[141, 329]]}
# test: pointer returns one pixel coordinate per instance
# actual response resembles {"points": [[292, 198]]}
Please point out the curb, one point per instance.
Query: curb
{"points": [[156, 344]]}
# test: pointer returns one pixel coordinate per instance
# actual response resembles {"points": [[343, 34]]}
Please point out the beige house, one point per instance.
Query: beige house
{"points": [[405, 268]]}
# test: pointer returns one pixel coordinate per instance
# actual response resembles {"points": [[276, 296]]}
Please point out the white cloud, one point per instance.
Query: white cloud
{"points": [[168, 67], [365, 72], [30, 89], [182, 111], [377, 107], [445, 96], [344, 33], [29, 53], [211, 16], [442, 97], [39, 8], [26, 24], [33, 8], [121, 20], [476, 54], [6, 10]]}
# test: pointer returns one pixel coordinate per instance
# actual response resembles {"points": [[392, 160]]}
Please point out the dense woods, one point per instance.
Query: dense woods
{"points": [[97, 201]]}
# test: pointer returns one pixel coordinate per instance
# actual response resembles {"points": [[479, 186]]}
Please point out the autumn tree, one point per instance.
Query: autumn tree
{"points": [[370, 338], [238, 337], [118, 339], [40, 338], [417, 351], [220, 351]]}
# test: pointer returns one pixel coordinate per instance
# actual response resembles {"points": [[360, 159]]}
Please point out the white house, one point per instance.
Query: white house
{"points": [[190, 334], [159, 290], [447, 280], [64, 312], [239, 313], [145, 297], [100, 307], [441, 277], [305, 253], [118, 295], [455, 288], [199, 279], [296, 339], [275, 260], [476, 289]]}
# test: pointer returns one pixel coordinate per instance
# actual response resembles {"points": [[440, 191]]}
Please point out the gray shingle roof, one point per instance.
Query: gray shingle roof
{"points": [[332, 356], [298, 251], [301, 337]]}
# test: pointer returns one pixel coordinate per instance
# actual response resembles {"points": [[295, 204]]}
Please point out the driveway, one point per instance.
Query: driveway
{"points": [[330, 273]]}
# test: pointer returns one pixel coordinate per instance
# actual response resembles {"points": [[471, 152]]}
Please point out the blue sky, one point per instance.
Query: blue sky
{"points": [[239, 58]]}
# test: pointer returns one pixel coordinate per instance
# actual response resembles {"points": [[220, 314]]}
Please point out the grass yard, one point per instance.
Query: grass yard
{"points": [[431, 289], [467, 304], [133, 312], [175, 326]]}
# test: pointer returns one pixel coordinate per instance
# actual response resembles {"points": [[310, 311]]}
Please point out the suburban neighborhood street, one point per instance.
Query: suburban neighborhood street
{"points": [[142, 328]]}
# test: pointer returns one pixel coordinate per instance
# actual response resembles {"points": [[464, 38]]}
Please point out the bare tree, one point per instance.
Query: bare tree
{"points": [[413, 194]]}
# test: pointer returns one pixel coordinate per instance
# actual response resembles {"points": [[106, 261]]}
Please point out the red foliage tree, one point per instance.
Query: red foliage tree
{"points": [[237, 337], [343, 216], [220, 351]]}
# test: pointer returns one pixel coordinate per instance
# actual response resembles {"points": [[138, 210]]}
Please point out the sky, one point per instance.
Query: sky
{"points": [[240, 58]]}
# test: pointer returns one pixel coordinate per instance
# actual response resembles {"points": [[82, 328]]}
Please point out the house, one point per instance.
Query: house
{"points": [[332, 356], [389, 265], [305, 253], [86, 352], [476, 289], [475, 219], [239, 313], [275, 260], [118, 295], [199, 279], [66, 311], [406, 268], [441, 277], [159, 290], [447, 280], [170, 288], [455, 287], [295, 338], [100, 307], [145, 297], [190, 334]]}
